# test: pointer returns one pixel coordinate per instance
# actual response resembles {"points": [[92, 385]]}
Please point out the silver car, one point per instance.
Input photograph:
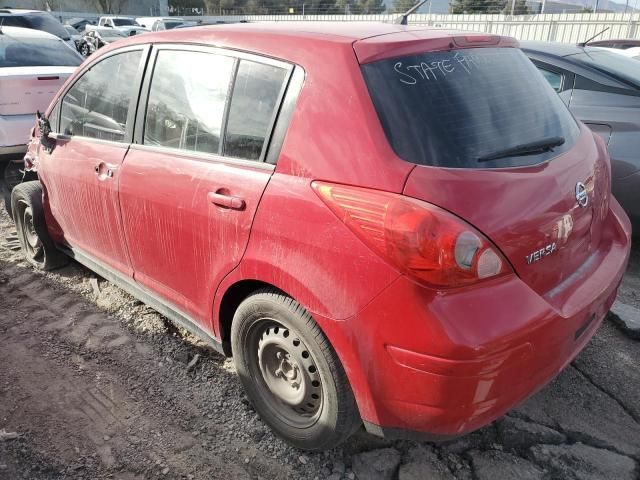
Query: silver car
{"points": [[602, 89]]}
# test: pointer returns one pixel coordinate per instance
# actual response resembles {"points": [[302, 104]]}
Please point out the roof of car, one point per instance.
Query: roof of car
{"points": [[14, 11], [341, 32], [634, 41], [26, 33], [552, 48], [289, 40]]}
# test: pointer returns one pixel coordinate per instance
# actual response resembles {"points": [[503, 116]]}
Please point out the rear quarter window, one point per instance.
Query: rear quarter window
{"points": [[452, 108]]}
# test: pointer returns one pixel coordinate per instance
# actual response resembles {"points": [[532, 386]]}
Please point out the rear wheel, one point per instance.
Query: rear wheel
{"points": [[37, 247], [291, 373]]}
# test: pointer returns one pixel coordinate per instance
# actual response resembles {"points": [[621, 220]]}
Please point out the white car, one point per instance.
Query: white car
{"points": [[167, 22], [633, 52], [33, 66], [124, 24]]}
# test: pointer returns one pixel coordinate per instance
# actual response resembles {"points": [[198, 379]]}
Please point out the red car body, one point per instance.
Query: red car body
{"points": [[438, 361]]}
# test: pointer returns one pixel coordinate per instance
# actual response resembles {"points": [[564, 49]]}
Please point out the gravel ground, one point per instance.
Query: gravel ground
{"points": [[95, 385]]}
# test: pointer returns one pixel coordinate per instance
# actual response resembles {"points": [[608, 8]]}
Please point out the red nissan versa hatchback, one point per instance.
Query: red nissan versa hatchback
{"points": [[393, 225]]}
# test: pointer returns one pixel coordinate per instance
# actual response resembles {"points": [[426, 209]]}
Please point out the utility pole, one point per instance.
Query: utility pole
{"points": [[513, 6], [544, 4]]}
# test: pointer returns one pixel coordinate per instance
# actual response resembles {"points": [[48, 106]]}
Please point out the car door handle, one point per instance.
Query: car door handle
{"points": [[227, 201], [104, 170]]}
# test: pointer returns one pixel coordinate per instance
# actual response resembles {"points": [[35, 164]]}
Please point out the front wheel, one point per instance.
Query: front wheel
{"points": [[37, 246], [291, 373]]}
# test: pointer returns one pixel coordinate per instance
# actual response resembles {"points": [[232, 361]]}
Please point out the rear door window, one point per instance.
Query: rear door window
{"points": [[187, 100], [457, 108], [256, 94]]}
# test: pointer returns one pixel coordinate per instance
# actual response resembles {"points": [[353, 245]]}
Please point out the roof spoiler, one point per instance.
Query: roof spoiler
{"points": [[402, 19]]}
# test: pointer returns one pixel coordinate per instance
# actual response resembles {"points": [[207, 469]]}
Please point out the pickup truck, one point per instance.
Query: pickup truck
{"points": [[124, 24]]}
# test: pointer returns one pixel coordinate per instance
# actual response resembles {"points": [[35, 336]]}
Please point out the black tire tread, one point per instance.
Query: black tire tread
{"points": [[348, 416], [31, 192]]}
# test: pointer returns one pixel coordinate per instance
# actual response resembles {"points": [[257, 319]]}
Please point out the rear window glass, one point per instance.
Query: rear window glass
{"points": [[256, 94], [36, 21], [36, 52], [455, 108]]}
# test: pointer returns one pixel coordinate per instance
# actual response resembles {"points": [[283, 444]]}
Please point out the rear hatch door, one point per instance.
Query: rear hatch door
{"points": [[23, 90], [494, 144]]}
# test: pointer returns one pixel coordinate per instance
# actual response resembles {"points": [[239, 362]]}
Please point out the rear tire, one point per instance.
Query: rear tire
{"points": [[291, 373], [37, 246]]}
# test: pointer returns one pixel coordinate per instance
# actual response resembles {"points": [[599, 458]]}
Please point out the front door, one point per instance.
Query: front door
{"points": [[193, 178], [93, 123]]}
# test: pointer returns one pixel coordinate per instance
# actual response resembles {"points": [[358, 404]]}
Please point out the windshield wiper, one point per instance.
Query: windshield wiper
{"points": [[531, 148]]}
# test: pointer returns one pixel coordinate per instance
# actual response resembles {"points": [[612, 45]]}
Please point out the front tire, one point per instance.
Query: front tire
{"points": [[291, 373], [28, 215]]}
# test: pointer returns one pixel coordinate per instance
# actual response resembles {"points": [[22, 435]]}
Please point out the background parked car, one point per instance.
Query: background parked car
{"points": [[168, 24], [123, 24], [632, 52], [36, 20], [74, 34], [33, 66], [160, 23], [621, 44], [96, 39], [80, 23], [602, 89]]}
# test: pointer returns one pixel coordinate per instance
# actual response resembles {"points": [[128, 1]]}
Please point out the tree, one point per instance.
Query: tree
{"points": [[520, 8], [401, 6], [371, 6], [186, 7], [478, 6], [109, 6]]}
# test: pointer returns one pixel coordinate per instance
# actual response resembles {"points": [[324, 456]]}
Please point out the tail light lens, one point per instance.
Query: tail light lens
{"points": [[426, 242]]}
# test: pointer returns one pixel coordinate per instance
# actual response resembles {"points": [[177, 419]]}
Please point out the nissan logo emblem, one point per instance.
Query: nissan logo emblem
{"points": [[581, 194]]}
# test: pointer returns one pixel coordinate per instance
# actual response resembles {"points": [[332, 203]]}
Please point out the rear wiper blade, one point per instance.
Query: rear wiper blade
{"points": [[531, 148]]}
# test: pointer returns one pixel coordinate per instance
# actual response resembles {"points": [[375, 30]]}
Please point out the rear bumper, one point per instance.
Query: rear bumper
{"points": [[442, 364], [11, 152], [14, 134]]}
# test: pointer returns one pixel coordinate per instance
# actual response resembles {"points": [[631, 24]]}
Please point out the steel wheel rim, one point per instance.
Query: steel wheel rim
{"points": [[286, 374], [32, 242]]}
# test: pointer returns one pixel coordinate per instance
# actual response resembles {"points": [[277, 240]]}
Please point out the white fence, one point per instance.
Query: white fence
{"points": [[567, 28]]}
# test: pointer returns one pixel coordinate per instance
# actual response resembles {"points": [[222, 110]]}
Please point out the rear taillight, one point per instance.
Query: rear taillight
{"points": [[426, 242]]}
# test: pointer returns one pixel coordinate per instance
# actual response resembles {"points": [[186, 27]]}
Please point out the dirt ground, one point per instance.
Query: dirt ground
{"points": [[96, 385]]}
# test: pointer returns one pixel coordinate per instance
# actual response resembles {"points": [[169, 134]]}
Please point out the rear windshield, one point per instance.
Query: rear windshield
{"points": [[36, 52], [457, 108], [119, 22], [36, 21]]}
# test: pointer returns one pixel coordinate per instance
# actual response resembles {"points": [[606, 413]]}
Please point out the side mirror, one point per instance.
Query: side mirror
{"points": [[43, 126], [47, 139]]}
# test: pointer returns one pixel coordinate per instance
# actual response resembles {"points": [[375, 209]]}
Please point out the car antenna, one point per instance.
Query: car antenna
{"points": [[402, 19], [584, 44]]}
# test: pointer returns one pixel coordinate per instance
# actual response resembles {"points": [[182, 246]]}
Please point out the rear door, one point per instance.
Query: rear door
{"points": [[458, 114], [81, 173], [193, 179]]}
